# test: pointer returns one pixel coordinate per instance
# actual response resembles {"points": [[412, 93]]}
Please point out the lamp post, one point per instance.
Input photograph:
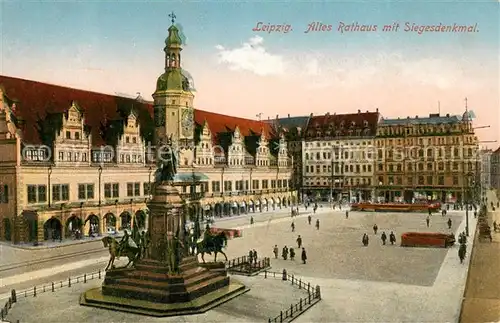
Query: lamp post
{"points": [[149, 182], [49, 191], [99, 170]]}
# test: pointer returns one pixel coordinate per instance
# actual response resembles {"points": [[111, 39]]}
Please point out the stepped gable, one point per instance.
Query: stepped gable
{"points": [[37, 102], [222, 128], [338, 125]]}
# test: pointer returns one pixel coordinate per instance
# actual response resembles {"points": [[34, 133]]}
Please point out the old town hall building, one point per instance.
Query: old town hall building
{"points": [[74, 162]]}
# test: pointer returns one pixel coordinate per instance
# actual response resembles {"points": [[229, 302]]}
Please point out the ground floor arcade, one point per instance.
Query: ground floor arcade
{"points": [[411, 195], [74, 223], [236, 205]]}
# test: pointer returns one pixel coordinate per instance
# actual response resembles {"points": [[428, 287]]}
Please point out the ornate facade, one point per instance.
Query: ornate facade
{"points": [[425, 158], [73, 160], [337, 155], [495, 170]]}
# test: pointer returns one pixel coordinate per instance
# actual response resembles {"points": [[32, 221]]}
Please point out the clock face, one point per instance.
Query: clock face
{"points": [[187, 122]]}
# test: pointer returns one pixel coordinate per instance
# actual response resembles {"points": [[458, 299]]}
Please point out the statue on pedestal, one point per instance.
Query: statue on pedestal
{"points": [[167, 163]]}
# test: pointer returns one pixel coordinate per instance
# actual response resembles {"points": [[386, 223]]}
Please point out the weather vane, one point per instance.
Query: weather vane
{"points": [[172, 17]]}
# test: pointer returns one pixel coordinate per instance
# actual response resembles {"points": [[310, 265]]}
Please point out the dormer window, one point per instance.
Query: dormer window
{"points": [[134, 140], [68, 134], [365, 123], [127, 139], [77, 135]]}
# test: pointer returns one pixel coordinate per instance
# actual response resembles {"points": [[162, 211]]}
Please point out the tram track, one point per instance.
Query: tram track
{"points": [[97, 251]]}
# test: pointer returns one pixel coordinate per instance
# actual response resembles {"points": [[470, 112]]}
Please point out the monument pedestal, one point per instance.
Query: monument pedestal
{"points": [[150, 288]]}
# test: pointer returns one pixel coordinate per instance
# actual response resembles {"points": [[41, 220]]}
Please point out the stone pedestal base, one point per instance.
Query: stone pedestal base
{"points": [[148, 289]]}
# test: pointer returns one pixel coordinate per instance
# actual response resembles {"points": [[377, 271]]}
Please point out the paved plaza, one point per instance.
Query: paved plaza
{"points": [[359, 284]]}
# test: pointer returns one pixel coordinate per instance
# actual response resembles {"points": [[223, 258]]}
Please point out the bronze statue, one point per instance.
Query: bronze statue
{"points": [[116, 251], [212, 243], [167, 162]]}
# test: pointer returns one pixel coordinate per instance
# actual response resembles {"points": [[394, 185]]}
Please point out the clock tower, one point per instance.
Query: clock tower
{"points": [[173, 102]]}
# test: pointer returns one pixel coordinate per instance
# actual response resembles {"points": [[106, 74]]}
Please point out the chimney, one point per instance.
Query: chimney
{"points": [[277, 116], [367, 111], [359, 111], [416, 117], [376, 110], [327, 114], [268, 118], [289, 115], [447, 115], [311, 115]]}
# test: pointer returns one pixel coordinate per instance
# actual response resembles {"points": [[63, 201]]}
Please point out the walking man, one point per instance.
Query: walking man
{"points": [[284, 253], [317, 224], [309, 218], [392, 238], [250, 256], [449, 223], [275, 250], [384, 238], [304, 255], [293, 226], [375, 228], [251, 220], [299, 241], [292, 254], [427, 220], [347, 214], [254, 256]]}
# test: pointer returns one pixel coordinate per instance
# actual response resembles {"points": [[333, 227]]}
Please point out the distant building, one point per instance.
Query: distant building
{"points": [[485, 160], [293, 129], [495, 170], [425, 158], [78, 161], [338, 156]]}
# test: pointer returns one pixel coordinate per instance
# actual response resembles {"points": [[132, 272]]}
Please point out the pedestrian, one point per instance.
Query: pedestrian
{"points": [[250, 256], [309, 218], [299, 241], [475, 214], [427, 220], [449, 223], [384, 238], [392, 238], [365, 240], [284, 253], [304, 255], [254, 256], [292, 254], [317, 224], [251, 220], [347, 214], [430, 212], [293, 226], [275, 250], [375, 228]]}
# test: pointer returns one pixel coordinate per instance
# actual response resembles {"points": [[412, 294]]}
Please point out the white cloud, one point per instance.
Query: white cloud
{"points": [[252, 57]]}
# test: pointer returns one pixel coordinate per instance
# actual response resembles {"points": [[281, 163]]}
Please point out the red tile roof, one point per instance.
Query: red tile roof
{"points": [[220, 123], [34, 100], [351, 121]]}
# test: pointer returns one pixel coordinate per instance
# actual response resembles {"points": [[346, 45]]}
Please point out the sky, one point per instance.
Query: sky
{"points": [[239, 68]]}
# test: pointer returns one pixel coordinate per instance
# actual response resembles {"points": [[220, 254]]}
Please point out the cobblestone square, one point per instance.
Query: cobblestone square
{"points": [[336, 251]]}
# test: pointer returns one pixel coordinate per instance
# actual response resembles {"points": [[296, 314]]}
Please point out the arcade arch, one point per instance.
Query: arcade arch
{"points": [[126, 220], [52, 229]]}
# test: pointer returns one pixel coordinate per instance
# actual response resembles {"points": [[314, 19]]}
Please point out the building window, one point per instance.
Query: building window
{"points": [[255, 184], [455, 180], [77, 135], [111, 190], [441, 180], [85, 191], [409, 180], [146, 188], [228, 186], [60, 192], [134, 189], [429, 180], [61, 155], [215, 186], [4, 194], [68, 134], [273, 183], [265, 184], [37, 193], [420, 180]]}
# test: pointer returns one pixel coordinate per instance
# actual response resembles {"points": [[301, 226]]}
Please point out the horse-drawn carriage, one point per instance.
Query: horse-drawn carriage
{"points": [[427, 239], [230, 233], [484, 229]]}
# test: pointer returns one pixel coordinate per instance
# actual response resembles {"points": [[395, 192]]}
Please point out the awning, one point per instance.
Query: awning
{"points": [[235, 204], [207, 207], [190, 177], [250, 202], [243, 204]]}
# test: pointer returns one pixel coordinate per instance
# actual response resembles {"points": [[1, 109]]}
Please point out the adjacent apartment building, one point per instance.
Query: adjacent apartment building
{"points": [[426, 158], [495, 170], [78, 161], [337, 157]]}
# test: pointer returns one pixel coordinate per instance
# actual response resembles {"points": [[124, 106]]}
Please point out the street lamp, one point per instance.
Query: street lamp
{"points": [[149, 182], [469, 180], [99, 170], [49, 172]]}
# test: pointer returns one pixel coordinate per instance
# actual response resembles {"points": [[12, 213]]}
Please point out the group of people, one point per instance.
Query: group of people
{"points": [[252, 257], [285, 252], [392, 237]]}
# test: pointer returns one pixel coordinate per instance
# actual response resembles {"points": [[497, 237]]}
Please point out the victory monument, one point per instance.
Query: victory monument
{"points": [[163, 276]]}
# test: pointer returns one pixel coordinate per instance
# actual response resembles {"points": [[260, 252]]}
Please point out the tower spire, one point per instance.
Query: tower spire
{"points": [[172, 17]]}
